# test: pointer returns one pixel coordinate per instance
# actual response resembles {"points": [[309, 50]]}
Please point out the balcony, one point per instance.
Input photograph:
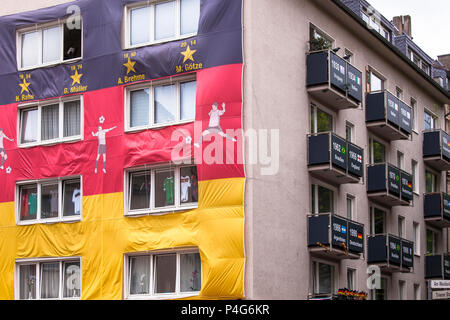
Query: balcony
{"points": [[334, 160], [436, 209], [387, 116], [389, 185], [334, 237], [437, 267], [436, 149], [390, 253], [333, 81]]}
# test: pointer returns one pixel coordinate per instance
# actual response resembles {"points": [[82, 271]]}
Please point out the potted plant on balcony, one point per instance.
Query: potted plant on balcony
{"points": [[319, 44]]}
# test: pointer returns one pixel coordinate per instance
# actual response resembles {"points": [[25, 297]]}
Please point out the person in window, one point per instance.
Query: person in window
{"points": [[214, 124], [101, 134], [3, 154]]}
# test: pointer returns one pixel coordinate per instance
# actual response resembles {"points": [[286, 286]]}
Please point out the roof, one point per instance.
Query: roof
{"points": [[392, 47]]}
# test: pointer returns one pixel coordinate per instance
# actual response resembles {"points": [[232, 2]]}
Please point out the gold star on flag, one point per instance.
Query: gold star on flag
{"points": [[24, 86], [188, 54], [130, 65], [76, 77]]}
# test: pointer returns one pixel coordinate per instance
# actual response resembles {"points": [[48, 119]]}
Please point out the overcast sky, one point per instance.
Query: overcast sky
{"points": [[430, 22]]}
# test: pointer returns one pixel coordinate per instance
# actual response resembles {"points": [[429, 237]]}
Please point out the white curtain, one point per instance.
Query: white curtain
{"points": [[190, 13], [165, 20], [30, 47], [27, 275], [139, 107], [188, 95], [29, 125], [49, 280], [71, 118], [190, 272], [50, 122], [139, 275], [165, 104], [51, 44], [140, 25]]}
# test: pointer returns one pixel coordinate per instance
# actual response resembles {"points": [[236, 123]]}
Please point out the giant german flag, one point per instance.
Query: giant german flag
{"points": [[104, 235]]}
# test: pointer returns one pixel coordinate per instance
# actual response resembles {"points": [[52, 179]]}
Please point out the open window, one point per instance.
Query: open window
{"points": [[48, 44]]}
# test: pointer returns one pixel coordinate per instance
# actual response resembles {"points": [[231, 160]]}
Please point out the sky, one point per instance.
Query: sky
{"points": [[430, 22]]}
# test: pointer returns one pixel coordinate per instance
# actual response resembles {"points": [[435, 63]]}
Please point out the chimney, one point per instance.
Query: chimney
{"points": [[402, 25], [445, 60]]}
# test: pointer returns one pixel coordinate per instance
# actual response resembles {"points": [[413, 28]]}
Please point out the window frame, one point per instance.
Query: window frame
{"points": [[416, 238], [314, 195], [177, 81], [159, 296], [152, 3], [434, 117], [315, 278], [153, 210], [415, 175], [374, 72], [38, 262], [386, 214], [39, 183], [44, 103], [373, 139], [40, 28], [314, 108]]}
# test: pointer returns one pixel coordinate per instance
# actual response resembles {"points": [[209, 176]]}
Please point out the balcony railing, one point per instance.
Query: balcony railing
{"points": [[436, 209], [334, 160], [390, 253], [389, 185], [437, 267], [333, 81], [436, 149], [387, 116], [335, 237]]}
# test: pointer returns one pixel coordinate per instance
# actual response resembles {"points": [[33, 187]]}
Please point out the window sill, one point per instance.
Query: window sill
{"points": [[50, 142], [157, 126], [163, 296], [163, 211], [146, 44], [51, 64], [50, 221]]}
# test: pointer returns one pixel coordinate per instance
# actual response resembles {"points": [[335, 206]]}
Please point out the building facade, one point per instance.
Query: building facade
{"points": [[255, 151]]}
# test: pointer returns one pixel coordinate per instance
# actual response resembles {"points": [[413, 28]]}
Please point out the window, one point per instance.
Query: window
{"points": [[49, 200], [401, 226], [349, 132], [377, 152], [400, 160], [399, 93], [351, 279], [374, 82], [161, 21], [414, 114], [48, 44], [401, 290], [350, 206], [321, 121], [48, 279], [319, 40], [323, 278], [161, 189], [416, 235], [432, 241], [349, 56], [415, 176], [430, 121], [381, 293], [161, 104], [322, 199], [377, 221], [50, 122], [417, 291], [430, 182], [164, 274]]}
